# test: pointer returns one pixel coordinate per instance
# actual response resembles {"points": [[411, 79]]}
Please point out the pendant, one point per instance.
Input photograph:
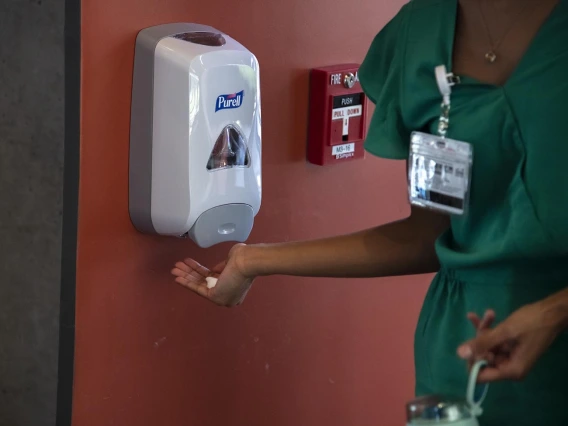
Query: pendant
{"points": [[490, 57]]}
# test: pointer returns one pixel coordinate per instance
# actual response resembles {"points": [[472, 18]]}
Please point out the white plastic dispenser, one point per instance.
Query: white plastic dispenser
{"points": [[195, 137]]}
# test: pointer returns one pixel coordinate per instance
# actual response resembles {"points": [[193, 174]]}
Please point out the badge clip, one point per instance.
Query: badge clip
{"points": [[445, 82]]}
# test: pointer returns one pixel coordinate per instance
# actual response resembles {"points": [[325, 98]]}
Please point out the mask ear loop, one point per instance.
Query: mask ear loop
{"points": [[475, 406]]}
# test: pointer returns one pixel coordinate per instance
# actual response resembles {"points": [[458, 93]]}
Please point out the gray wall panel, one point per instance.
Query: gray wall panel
{"points": [[31, 179]]}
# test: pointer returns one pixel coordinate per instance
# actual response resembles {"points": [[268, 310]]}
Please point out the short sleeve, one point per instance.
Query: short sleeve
{"points": [[380, 76]]}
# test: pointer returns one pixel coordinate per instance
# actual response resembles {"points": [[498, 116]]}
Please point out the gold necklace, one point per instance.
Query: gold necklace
{"points": [[491, 56]]}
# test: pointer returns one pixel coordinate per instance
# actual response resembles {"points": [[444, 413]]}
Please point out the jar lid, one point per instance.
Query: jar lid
{"points": [[436, 409]]}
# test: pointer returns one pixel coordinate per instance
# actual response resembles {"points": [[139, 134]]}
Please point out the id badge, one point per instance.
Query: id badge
{"points": [[439, 173]]}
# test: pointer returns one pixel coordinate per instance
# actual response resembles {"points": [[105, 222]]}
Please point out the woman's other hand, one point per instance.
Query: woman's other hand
{"points": [[513, 346]]}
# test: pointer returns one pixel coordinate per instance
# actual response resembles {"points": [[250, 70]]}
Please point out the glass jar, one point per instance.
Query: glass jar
{"points": [[440, 410]]}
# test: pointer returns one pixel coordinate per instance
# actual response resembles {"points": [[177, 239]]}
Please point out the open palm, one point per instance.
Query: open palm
{"points": [[232, 285]]}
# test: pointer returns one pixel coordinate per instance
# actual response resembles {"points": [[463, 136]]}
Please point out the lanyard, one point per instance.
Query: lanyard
{"points": [[445, 82]]}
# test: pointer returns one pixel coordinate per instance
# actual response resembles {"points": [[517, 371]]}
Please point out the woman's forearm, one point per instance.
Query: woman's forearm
{"points": [[557, 306], [400, 248]]}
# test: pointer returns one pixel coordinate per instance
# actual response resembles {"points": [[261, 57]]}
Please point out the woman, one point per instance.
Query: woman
{"points": [[507, 255]]}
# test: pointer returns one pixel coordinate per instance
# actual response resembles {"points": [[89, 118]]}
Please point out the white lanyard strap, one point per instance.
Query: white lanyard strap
{"points": [[445, 82]]}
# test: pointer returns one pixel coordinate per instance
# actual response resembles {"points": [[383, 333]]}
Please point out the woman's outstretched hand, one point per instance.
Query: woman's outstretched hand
{"points": [[233, 283]]}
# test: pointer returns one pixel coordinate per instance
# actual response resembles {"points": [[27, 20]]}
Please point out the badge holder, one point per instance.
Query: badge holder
{"points": [[440, 168]]}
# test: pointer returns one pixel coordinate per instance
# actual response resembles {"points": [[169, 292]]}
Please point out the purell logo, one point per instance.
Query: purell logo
{"points": [[229, 101]]}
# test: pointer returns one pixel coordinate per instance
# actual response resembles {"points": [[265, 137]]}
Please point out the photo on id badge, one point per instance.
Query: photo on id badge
{"points": [[439, 173]]}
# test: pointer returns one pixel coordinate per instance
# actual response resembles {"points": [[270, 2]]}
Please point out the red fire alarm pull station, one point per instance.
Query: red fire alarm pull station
{"points": [[338, 115]]}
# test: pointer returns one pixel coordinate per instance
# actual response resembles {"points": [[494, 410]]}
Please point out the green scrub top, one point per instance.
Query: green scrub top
{"points": [[511, 247]]}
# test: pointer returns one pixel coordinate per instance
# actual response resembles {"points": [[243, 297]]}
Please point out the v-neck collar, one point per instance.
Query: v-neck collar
{"points": [[451, 14]]}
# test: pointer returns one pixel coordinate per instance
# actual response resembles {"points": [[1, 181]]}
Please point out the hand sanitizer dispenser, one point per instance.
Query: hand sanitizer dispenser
{"points": [[195, 137]]}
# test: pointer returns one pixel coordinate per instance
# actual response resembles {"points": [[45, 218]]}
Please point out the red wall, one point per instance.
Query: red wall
{"points": [[299, 351]]}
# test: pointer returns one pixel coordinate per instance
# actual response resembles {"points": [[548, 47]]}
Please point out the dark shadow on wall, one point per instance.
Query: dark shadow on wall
{"points": [[31, 178], [70, 211]]}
